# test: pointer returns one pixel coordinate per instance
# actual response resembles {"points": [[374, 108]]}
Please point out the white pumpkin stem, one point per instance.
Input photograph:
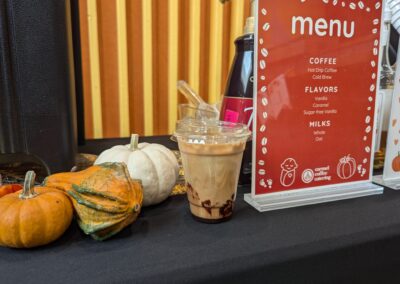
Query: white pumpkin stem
{"points": [[29, 190], [134, 142]]}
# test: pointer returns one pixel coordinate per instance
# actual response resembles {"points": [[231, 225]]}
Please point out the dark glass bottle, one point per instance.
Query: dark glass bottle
{"points": [[237, 104]]}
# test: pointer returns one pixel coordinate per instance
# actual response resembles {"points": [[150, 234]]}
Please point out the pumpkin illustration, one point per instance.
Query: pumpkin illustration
{"points": [[396, 163], [288, 172], [346, 167], [154, 164], [105, 198], [8, 188], [33, 217]]}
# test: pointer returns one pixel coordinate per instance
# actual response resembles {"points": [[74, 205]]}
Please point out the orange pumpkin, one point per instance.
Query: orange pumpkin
{"points": [[396, 163], [33, 217], [8, 188]]}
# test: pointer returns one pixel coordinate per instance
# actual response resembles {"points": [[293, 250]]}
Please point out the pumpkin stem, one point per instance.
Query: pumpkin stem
{"points": [[134, 142], [29, 190]]}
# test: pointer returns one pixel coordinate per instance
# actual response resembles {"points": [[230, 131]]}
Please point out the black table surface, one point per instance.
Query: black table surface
{"points": [[351, 241]]}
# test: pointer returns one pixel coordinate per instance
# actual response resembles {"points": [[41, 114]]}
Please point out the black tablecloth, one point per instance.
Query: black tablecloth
{"points": [[352, 241]]}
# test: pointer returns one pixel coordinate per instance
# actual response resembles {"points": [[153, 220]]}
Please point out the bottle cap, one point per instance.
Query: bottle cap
{"points": [[249, 27]]}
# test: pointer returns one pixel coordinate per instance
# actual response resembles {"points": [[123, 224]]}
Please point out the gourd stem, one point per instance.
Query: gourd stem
{"points": [[29, 190], [134, 142]]}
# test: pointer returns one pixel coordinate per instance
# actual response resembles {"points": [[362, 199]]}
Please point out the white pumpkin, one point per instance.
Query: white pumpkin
{"points": [[154, 164]]}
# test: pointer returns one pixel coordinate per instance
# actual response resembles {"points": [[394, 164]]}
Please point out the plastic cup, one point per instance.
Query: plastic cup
{"points": [[211, 154]]}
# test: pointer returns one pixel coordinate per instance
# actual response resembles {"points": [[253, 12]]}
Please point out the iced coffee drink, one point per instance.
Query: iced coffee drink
{"points": [[211, 156]]}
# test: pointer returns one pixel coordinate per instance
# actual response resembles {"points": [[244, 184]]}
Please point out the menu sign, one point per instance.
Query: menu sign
{"points": [[316, 77]]}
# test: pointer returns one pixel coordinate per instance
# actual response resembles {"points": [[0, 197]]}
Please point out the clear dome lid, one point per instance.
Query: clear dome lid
{"points": [[211, 131]]}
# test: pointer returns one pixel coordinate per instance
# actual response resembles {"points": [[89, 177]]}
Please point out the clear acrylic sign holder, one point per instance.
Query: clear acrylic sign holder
{"points": [[391, 170], [289, 163], [296, 198]]}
